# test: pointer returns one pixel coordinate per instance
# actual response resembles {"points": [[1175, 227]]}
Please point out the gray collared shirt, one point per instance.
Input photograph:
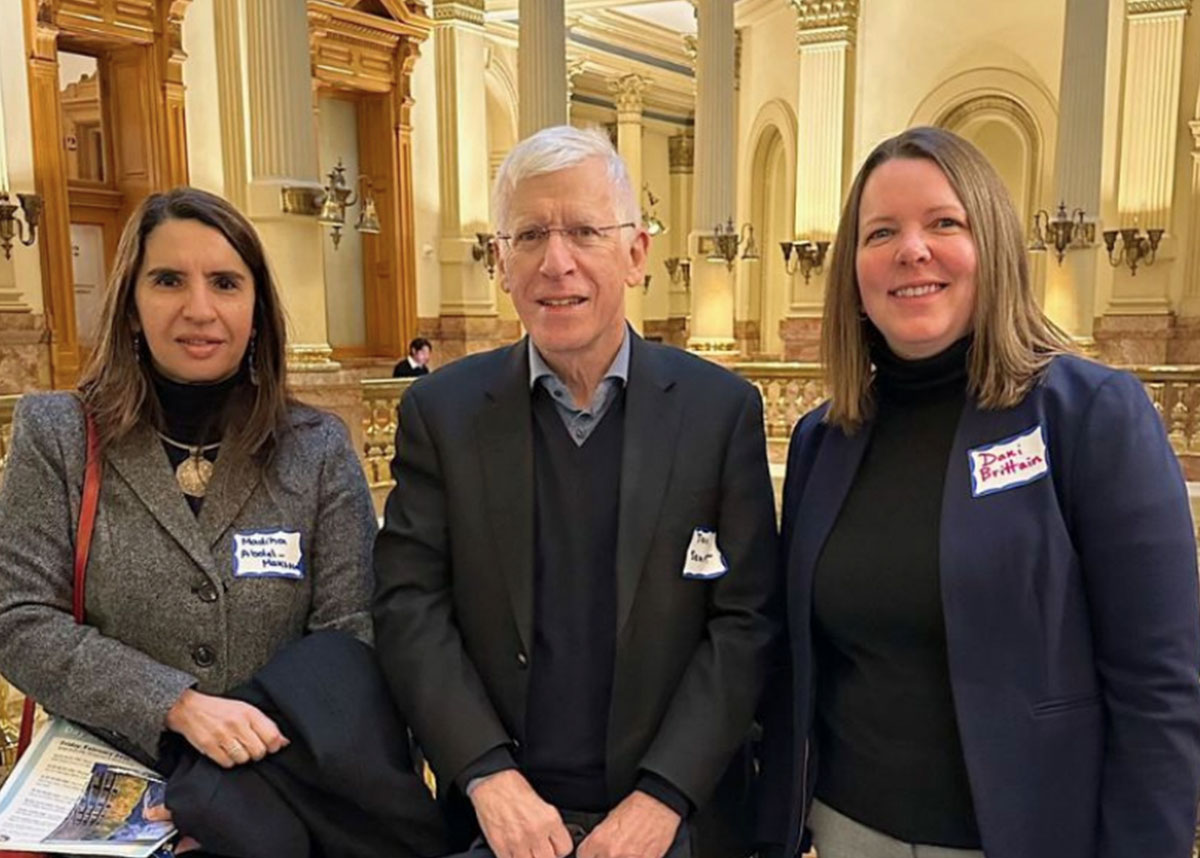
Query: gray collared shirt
{"points": [[581, 421]]}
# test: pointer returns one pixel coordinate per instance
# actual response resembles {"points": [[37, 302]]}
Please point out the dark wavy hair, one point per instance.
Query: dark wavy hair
{"points": [[116, 386]]}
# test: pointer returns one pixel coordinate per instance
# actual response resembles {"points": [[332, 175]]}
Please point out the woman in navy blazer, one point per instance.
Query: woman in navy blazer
{"points": [[991, 566]]}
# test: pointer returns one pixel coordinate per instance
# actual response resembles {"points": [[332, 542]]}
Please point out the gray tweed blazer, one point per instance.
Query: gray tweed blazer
{"points": [[165, 610]]}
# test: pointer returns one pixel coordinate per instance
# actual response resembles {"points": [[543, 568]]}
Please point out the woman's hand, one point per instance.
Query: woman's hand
{"points": [[228, 732]]}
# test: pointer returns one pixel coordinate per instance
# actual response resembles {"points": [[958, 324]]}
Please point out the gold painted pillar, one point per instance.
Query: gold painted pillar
{"points": [[50, 181], [825, 40], [681, 152], [1088, 114], [24, 340], [541, 66], [712, 304], [628, 91], [1138, 322], [283, 152], [468, 317]]}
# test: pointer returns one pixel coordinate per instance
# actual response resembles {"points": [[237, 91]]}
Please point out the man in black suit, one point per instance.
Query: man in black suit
{"points": [[575, 569], [417, 362]]}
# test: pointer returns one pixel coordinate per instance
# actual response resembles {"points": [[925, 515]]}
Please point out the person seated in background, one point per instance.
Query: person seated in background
{"points": [[233, 523], [417, 362]]}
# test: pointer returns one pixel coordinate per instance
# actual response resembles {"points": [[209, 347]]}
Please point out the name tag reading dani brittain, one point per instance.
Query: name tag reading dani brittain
{"points": [[1007, 464], [267, 554]]}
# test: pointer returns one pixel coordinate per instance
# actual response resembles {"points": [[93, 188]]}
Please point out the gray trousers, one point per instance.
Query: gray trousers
{"points": [[838, 836]]}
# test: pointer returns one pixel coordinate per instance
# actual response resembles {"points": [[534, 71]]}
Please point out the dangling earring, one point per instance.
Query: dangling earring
{"points": [[250, 355], [137, 347]]}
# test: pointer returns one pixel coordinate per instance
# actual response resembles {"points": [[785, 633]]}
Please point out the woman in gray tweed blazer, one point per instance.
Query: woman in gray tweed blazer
{"points": [[232, 520]]}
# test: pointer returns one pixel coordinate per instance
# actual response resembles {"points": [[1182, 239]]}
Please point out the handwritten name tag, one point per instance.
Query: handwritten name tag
{"points": [[1013, 462], [704, 557], [267, 554]]}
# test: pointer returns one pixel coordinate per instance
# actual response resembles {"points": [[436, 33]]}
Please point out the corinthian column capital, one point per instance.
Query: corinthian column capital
{"points": [[628, 91]]}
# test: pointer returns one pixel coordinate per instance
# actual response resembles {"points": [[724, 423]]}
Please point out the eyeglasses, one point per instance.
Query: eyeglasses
{"points": [[533, 239]]}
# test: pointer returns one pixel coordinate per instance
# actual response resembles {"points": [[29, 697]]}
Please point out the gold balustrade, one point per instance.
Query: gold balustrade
{"points": [[380, 399]]}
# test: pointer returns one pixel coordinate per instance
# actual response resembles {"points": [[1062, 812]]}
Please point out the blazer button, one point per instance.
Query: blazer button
{"points": [[204, 656], [522, 660], [206, 592]]}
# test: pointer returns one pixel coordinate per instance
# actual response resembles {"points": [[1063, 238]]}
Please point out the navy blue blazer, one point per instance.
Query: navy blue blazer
{"points": [[1072, 625]]}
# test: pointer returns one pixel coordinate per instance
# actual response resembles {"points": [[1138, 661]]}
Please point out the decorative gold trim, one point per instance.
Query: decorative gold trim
{"points": [[301, 200], [713, 345], [466, 11], [826, 35], [1150, 7], [311, 358], [681, 152], [813, 14]]}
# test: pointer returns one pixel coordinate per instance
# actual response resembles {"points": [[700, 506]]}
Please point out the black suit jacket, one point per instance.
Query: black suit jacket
{"points": [[454, 566], [404, 369]]}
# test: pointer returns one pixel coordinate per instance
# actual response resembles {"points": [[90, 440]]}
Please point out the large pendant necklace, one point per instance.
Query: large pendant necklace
{"points": [[194, 472]]}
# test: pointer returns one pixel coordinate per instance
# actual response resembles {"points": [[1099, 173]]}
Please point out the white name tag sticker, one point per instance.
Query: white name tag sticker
{"points": [[1007, 464], [267, 554], [704, 557]]}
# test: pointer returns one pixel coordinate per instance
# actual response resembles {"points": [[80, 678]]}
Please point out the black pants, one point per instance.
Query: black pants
{"points": [[580, 824], [344, 788]]}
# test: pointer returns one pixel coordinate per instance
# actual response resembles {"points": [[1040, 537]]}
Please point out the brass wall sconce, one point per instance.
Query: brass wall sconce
{"points": [[1136, 248], [723, 244], [1063, 232], [679, 269], [484, 250], [650, 219], [338, 196], [807, 257], [11, 226]]}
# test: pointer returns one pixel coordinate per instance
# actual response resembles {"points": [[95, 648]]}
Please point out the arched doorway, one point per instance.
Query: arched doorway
{"points": [[771, 210]]}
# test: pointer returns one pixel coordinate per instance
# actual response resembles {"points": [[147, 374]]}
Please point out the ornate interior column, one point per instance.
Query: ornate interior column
{"points": [[826, 34], [712, 299], [681, 151], [24, 340], [541, 66], [1137, 325], [283, 153], [468, 320], [628, 91], [1085, 135]]}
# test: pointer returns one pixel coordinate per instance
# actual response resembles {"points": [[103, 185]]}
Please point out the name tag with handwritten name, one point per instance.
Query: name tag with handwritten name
{"points": [[704, 558], [267, 554], [1007, 464]]}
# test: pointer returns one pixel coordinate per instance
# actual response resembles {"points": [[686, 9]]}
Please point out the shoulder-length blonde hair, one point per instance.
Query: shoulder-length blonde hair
{"points": [[1013, 338], [116, 385]]}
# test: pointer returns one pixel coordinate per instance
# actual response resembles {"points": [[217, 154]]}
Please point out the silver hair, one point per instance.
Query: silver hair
{"points": [[561, 147]]}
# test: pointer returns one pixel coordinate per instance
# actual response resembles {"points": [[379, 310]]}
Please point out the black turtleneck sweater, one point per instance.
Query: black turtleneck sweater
{"points": [[888, 749], [193, 415]]}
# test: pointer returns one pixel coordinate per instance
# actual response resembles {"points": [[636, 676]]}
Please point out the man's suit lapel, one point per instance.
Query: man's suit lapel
{"points": [[142, 463], [652, 421], [505, 433]]}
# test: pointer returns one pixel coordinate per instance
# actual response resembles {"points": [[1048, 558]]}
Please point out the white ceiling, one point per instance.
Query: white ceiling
{"points": [[674, 15], [677, 15]]}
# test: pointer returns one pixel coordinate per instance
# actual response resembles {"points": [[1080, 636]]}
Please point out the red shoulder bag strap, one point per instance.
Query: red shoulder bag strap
{"points": [[83, 543]]}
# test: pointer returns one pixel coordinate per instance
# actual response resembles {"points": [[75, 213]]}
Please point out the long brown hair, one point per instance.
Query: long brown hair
{"points": [[116, 385], [1013, 338]]}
